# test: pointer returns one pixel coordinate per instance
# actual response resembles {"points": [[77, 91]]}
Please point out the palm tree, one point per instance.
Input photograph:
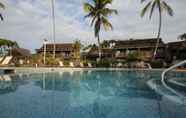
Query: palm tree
{"points": [[161, 5], [98, 11], [182, 36], [3, 7]]}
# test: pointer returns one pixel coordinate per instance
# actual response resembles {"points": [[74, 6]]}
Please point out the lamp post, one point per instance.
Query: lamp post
{"points": [[44, 56]]}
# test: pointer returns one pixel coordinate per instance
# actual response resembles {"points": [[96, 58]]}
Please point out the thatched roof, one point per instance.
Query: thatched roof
{"points": [[20, 52], [138, 43], [59, 47]]}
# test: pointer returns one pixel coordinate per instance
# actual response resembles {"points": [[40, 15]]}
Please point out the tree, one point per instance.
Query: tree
{"points": [[3, 7], [7, 44], [161, 5], [77, 47], [182, 36], [105, 44], [98, 12]]}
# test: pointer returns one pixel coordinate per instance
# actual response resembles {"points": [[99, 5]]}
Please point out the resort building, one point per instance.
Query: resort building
{"points": [[93, 54], [64, 51], [176, 51], [120, 49], [145, 47]]}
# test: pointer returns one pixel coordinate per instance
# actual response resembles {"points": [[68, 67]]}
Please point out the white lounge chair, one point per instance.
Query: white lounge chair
{"points": [[119, 65], [1, 59], [7, 60], [89, 65], [61, 64], [71, 64], [81, 65]]}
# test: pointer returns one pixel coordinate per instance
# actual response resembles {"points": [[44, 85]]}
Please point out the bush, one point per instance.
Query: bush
{"points": [[134, 57], [157, 64], [103, 63], [51, 61]]}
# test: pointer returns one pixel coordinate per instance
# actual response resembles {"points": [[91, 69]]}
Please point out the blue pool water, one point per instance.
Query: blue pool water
{"points": [[86, 94]]}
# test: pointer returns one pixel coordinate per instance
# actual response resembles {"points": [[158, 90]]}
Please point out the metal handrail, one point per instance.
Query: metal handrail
{"points": [[163, 78]]}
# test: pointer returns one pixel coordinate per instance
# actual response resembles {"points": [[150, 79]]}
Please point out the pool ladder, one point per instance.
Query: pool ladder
{"points": [[169, 88]]}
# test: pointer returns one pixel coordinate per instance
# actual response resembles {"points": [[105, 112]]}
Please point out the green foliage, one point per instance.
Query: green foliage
{"points": [[99, 12], [182, 36], [3, 7], [134, 57], [8, 43], [77, 46], [152, 4], [52, 61], [105, 44], [156, 64]]}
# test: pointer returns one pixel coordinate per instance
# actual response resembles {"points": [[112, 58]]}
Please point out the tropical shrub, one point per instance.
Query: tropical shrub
{"points": [[134, 57], [157, 64]]}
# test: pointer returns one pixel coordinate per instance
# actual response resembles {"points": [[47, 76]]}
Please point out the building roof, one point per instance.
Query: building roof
{"points": [[59, 47], [20, 52], [177, 45], [137, 43]]}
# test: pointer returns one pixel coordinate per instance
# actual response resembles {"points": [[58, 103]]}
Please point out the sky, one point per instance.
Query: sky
{"points": [[29, 22]]}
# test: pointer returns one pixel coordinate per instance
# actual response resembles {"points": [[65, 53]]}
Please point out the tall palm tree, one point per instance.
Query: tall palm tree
{"points": [[3, 7], [161, 6], [98, 11], [53, 28]]}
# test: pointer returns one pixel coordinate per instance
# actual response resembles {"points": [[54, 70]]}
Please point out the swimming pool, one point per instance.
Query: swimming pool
{"points": [[88, 94]]}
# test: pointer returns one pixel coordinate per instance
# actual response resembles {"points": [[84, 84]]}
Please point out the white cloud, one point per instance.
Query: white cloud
{"points": [[29, 21]]}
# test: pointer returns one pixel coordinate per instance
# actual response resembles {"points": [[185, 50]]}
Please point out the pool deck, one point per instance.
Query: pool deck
{"points": [[57, 69]]}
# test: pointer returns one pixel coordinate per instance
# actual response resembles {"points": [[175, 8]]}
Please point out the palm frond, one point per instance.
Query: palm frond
{"points": [[168, 8], [107, 11], [152, 9], [2, 5], [106, 24], [91, 14], [182, 37], [1, 17], [145, 9], [88, 7], [93, 20], [143, 1], [105, 2]]}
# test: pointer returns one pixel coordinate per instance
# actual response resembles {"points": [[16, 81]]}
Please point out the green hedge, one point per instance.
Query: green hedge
{"points": [[157, 64]]}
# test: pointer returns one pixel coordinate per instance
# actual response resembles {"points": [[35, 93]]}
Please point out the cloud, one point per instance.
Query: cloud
{"points": [[29, 22]]}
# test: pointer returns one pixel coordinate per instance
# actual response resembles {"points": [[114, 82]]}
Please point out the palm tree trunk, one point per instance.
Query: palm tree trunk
{"points": [[159, 33], [99, 47], [54, 29]]}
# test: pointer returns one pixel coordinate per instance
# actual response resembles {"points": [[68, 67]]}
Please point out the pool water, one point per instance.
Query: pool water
{"points": [[86, 94]]}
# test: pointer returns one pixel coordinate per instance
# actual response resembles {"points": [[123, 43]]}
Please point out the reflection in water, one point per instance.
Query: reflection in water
{"points": [[88, 94], [10, 84]]}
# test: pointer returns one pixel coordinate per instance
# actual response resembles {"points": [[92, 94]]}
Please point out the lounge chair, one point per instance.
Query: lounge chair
{"points": [[21, 62], [61, 64], [7, 60], [71, 64], [119, 65], [81, 64], [89, 65], [1, 59]]}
